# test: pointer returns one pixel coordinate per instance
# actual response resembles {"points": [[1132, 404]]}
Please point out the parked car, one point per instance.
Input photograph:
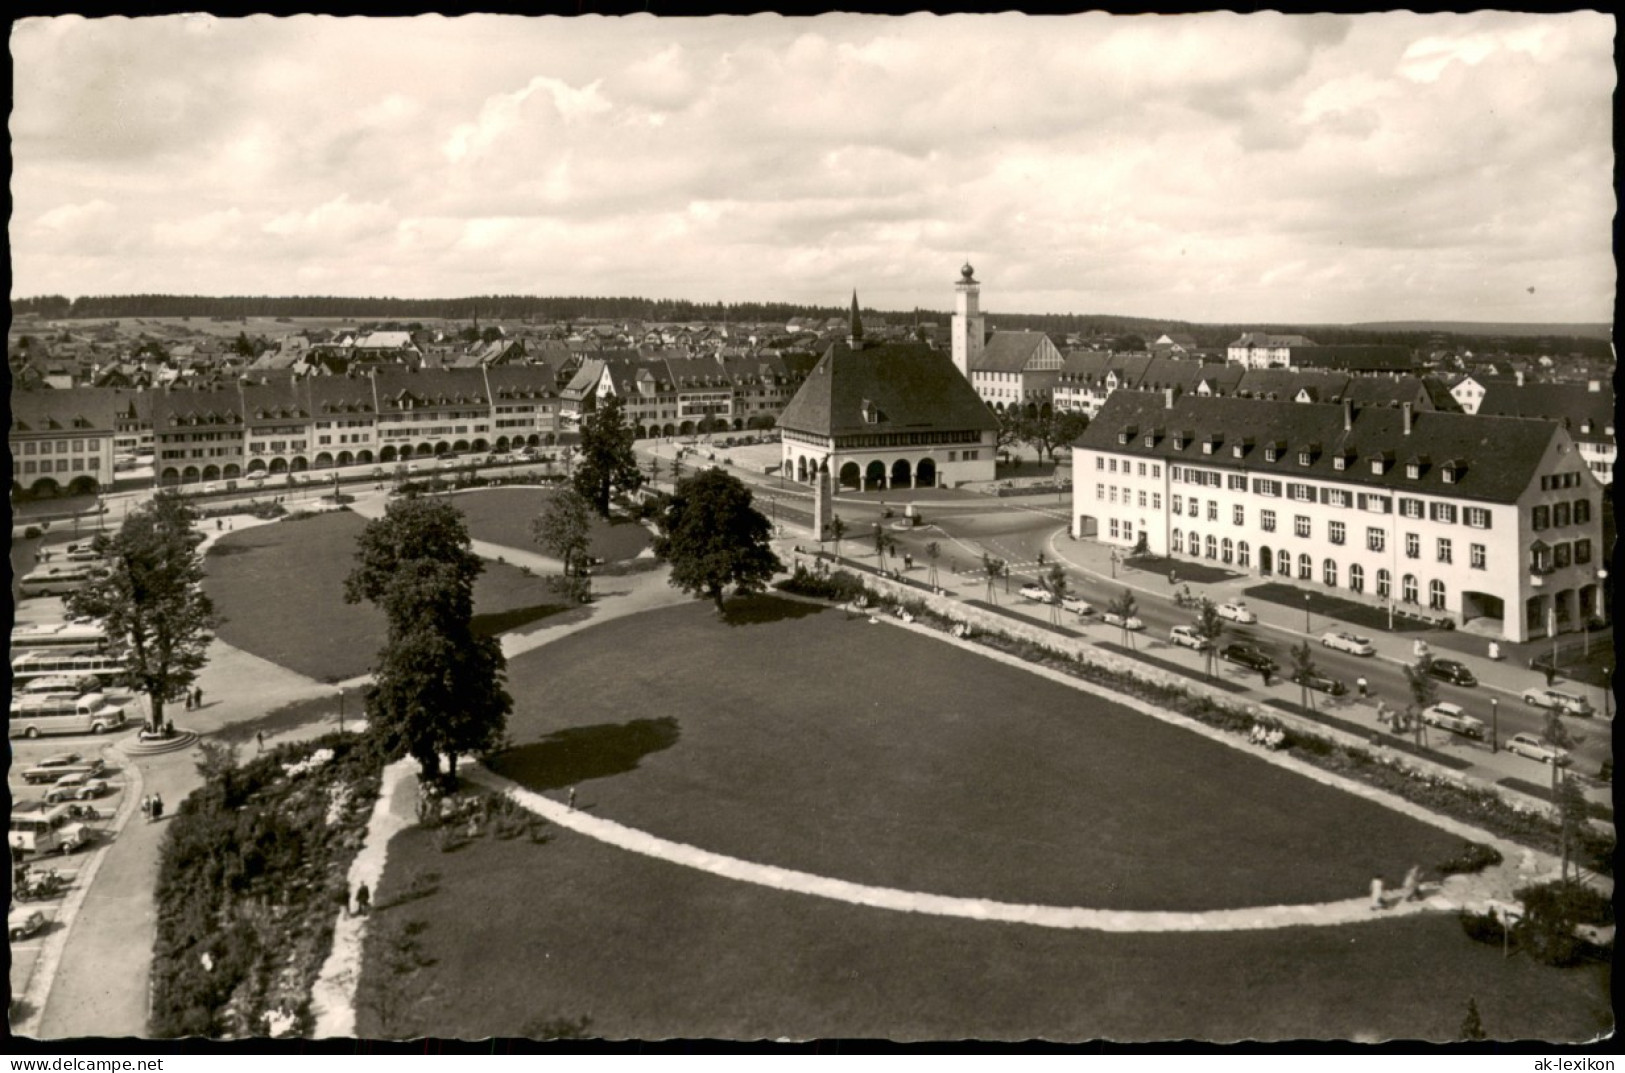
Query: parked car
{"points": [[1344, 641], [1112, 618], [24, 922], [1248, 656], [1078, 604], [1037, 592], [1187, 637], [1565, 703], [1236, 611], [1451, 671], [1320, 683], [1451, 717], [1535, 749], [73, 786], [53, 768]]}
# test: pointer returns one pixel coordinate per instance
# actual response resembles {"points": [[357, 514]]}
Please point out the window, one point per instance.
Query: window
{"points": [[1238, 515], [1156, 470], [1112, 492], [1436, 595], [1113, 465], [1142, 469], [1266, 520], [1300, 525], [1142, 500], [1442, 512], [1195, 545], [1413, 470], [1337, 533], [1540, 518], [1178, 504], [1560, 554], [1128, 530], [1236, 483], [1328, 573], [1271, 454], [1227, 550], [1384, 583], [1356, 578], [1306, 568], [1303, 493], [1560, 515], [1176, 541], [1407, 589], [1100, 462], [1582, 551], [1410, 508], [1100, 489], [1266, 488], [1376, 539], [1338, 497], [1212, 511], [1475, 556], [1582, 511], [1195, 507], [1114, 528], [1444, 549], [1476, 518], [1156, 500], [1413, 546], [1303, 458], [1244, 555], [1376, 504], [1212, 547]]}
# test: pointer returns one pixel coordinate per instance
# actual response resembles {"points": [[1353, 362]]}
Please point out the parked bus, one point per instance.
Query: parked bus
{"points": [[51, 829], [73, 684], [59, 635], [52, 663], [55, 580], [63, 713]]}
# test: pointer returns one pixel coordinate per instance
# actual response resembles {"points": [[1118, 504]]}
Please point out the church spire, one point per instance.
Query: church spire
{"points": [[855, 338]]}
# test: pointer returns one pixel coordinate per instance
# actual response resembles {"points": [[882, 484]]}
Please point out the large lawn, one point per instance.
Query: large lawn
{"points": [[503, 516], [280, 592], [871, 754], [522, 934]]}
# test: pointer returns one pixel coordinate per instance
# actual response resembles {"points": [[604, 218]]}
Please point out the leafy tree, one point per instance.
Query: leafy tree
{"points": [[607, 463], [564, 529], [654, 468], [1124, 607], [933, 552], [713, 537], [438, 687], [1012, 429], [1055, 583], [1303, 665], [994, 569], [151, 601], [837, 530], [1209, 627], [1424, 691], [241, 346], [885, 544]]}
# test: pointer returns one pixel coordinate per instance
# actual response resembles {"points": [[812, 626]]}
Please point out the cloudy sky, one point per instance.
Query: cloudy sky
{"points": [[1210, 168]]}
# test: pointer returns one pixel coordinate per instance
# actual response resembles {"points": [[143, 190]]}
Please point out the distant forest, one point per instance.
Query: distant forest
{"points": [[1515, 339]]}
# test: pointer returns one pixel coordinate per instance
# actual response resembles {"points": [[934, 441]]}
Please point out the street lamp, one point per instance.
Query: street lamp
{"points": [[341, 709], [1495, 725], [1114, 563], [1306, 601]]}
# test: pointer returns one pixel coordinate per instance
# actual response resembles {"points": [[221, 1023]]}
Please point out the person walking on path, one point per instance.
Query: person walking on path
{"points": [[1361, 685], [259, 736], [1266, 673], [157, 807], [572, 798], [363, 900], [197, 697], [146, 807]]}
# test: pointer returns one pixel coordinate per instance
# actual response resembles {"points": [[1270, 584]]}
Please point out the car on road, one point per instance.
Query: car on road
{"points": [[1450, 717], [23, 923], [1564, 703], [1078, 604], [1535, 749], [1320, 683], [1236, 611], [1112, 618], [1187, 637], [1248, 656], [54, 767], [1344, 641], [1037, 592], [1452, 671], [78, 786]]}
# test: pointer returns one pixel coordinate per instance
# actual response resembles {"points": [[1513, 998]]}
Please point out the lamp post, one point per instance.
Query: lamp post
{"points": [[1306, 601], [1495, 725], [341, 709], [1114, 564]]}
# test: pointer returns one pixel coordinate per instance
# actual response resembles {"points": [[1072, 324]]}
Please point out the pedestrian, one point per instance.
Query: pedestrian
{"points": [[259, 736], [146, 807], [1361, 685], [363, 900], [157, 807], [219, 525], [572, 798], [1551, 676], [1266, 673], [188, 700], [197, 696]]}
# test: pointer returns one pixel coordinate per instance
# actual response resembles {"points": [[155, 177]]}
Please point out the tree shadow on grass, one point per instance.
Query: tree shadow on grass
{"points": [[221, 548], [290, 717], [495, 622], [761, 609], [571, 756]]}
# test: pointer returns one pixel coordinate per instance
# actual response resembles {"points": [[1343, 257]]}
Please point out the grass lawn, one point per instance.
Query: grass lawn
{"points": [[1184, 569], [280, 591], [1362, 615], [503, 516], [521, 934], [879, 756]]}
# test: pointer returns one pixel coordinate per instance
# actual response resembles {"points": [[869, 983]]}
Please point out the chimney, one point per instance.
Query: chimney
{"points": [[1519, 375], [1348, 416], [1594, 386], [1406, 410], [1168, 398]]}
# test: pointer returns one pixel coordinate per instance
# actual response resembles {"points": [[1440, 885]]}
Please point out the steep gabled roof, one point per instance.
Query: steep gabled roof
{"points": [[1009, 352], [82, 410], [907, 386]]}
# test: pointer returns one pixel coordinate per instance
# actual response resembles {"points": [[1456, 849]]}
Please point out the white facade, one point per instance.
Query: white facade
{"points": [[969, 331], [888, 460]]}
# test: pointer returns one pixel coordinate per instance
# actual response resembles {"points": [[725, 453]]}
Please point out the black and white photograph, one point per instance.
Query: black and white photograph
{"points": [[1087, 529]]}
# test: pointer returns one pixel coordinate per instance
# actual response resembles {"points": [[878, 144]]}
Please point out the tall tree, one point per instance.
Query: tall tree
{"points": [[151, 601], [885, 544], [1424, 692], [1210, 628], [564, 529], [438, 688], [1303, 665], [1124, 607], [933, 552], [837, 530], [607, 464], [994, 569], [1055, 584], [714, 537]]}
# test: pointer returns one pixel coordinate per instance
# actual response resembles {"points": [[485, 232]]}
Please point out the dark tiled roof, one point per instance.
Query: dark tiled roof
{"points": [[1009, 352], [83, 409], [1500, 456], [1576, 402], [912, 387], [1384, 358]]}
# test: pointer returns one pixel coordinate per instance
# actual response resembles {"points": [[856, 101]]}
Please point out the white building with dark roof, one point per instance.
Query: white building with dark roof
{"points": [[1016, 370], [1495, 523]]}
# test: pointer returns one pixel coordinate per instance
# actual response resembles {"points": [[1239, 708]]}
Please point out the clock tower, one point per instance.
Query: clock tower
{"points": [[968, 331]]}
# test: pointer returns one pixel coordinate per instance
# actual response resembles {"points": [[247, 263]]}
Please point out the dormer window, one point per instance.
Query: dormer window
{"points": [[1304, 458], [1340, 463], [1179, 441], [1271, 453], [1413, 470]]}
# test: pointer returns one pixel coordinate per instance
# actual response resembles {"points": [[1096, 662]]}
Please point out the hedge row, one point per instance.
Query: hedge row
{"points": [[1454, 797]]}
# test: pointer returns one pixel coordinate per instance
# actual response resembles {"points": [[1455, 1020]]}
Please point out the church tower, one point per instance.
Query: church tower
{"points": [[854, 337], [968, 331]]}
